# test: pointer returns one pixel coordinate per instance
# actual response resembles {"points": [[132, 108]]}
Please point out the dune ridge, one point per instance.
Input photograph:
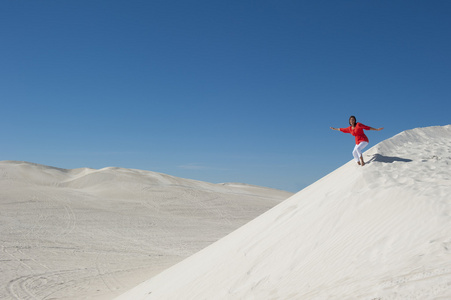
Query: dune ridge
{"points": [[382, 231], [94, 234]]}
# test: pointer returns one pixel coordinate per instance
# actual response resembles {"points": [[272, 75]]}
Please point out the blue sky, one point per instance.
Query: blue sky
{"points": [[218, 91]]}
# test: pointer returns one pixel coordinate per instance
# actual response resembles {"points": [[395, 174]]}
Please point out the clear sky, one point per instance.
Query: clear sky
{"points": [[218, 91]]}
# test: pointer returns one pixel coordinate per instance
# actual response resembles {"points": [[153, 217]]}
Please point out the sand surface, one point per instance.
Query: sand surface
{"points": [[382, 231], [94, 234]]}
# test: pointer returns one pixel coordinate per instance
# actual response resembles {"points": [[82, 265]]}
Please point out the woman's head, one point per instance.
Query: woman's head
{"points": [[352, 120]]}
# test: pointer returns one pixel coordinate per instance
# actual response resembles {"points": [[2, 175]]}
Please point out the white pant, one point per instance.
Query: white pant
{"points": [[357, 152]]}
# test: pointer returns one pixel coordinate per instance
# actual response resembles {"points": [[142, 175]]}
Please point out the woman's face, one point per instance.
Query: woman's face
{"points": [[352, 121]]}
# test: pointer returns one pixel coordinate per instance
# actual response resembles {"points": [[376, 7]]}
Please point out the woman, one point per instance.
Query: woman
{"points": [[361, 140]]}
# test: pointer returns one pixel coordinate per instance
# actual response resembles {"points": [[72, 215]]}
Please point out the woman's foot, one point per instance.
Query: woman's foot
{"points": [[362, 163]]}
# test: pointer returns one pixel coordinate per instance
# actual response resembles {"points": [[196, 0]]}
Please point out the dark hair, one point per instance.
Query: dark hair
{"points": [[354, 119]]}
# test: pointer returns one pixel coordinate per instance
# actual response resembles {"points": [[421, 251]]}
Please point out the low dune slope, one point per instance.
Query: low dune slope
{"points": [[382, 231], [93, 234]]}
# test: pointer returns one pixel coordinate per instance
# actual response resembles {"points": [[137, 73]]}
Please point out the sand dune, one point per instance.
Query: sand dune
{"points": [[382, 231], [93, 234]]}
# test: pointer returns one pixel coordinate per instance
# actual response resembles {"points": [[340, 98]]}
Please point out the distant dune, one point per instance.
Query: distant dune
{"points": [[93, 234], [382, 231]]}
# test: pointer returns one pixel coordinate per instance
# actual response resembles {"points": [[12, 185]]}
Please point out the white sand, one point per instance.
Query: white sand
{"points": [[94, 234], [382, 231]]}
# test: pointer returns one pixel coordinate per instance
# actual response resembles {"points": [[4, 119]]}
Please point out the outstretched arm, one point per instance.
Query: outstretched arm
{"points": [[377, 129], [335, 128]]}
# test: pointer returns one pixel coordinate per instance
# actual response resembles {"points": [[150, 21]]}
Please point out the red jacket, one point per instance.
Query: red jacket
{"points": [[357, 132]]}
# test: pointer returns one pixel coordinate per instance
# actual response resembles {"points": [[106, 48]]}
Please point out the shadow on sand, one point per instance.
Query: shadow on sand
{"points": [[387, 159]]}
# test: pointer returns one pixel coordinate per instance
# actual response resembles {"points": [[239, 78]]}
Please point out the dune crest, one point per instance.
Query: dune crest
{"points": [[382, 231]]}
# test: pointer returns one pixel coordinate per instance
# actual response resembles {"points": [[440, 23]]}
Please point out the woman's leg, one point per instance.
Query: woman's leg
{"points": [[357, 152]]}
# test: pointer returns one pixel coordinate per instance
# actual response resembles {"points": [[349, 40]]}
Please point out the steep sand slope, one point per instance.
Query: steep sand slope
{"points": [[382, 231]]}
